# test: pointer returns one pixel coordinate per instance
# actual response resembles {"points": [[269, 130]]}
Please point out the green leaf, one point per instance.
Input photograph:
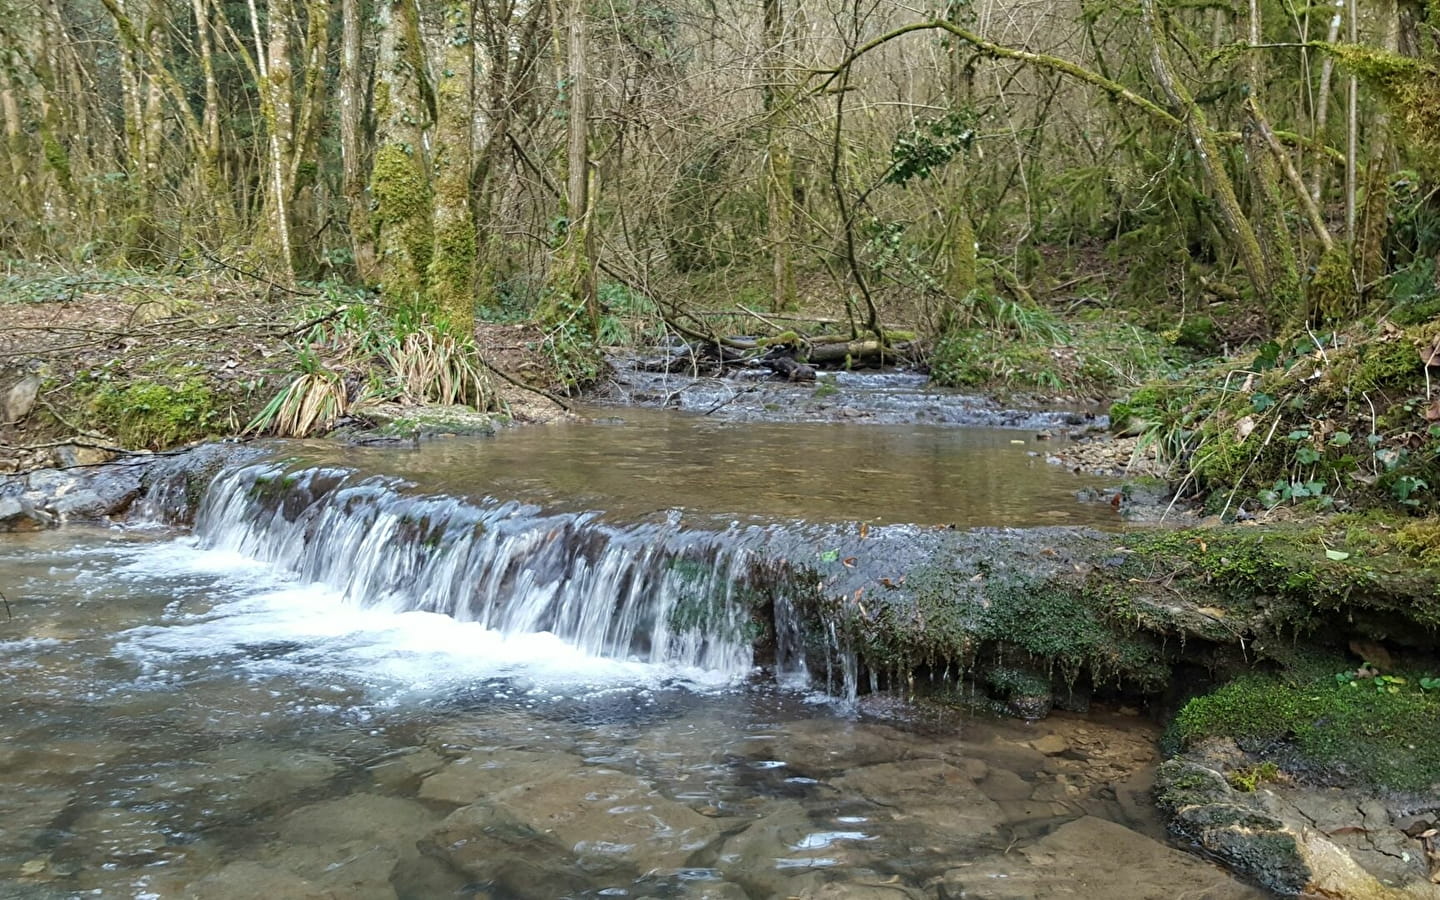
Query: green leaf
{"points": [[1337, 555], [1340, 439], [830, 556]]}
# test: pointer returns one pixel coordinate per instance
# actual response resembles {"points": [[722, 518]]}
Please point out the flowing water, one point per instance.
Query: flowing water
{"points": [[442, 673]]}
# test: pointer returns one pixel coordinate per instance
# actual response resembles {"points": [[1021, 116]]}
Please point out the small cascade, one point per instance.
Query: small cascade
{"points": [[652, 592]]}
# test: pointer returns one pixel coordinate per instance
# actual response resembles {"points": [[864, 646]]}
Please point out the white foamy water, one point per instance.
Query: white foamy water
{"points": [[248, 613]]}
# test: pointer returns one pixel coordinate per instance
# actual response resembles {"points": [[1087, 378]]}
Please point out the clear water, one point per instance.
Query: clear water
{"points": [[637, 463], [229, 715]]}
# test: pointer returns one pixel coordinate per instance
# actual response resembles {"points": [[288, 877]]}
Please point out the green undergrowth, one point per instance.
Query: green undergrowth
{"points": [[1017, 346], [1369, 571], [1328, 421], [1317, 725]]}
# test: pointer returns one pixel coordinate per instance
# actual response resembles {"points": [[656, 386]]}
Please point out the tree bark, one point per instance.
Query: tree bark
{"points": [[451, 279], [779, 169], [399, 179], [352, 154]]}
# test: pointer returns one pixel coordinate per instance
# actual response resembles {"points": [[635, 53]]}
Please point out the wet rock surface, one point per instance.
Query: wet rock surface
{"points": [[865, 397], [163, 489], [1298, 840]]}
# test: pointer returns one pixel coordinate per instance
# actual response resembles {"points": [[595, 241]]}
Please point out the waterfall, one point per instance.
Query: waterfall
{"points": [[653, 592]]}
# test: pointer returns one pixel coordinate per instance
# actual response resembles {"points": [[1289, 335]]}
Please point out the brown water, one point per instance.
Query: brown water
{"points": [[193, 717], [636, 462]]}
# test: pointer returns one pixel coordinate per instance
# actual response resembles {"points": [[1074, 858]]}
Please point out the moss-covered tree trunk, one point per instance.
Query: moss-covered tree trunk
{"points": [[779, 169], [351, 94], [272, 57], [451, 280], [399, 179]]}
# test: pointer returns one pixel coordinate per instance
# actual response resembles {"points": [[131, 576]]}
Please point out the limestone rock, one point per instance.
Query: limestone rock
{"points": [[19, 400], [538, 838], [1280, 843], [1051, 744]]}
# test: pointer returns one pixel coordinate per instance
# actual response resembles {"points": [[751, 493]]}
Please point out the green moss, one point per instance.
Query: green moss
{"points": [[402, 210], [1249, 779], [155, 416], [1407, 85], [1335, 729], [1198, 333]]}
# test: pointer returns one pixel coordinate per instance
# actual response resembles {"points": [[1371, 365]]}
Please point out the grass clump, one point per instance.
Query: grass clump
{"points": [[1030, 348], [1335, 729]]}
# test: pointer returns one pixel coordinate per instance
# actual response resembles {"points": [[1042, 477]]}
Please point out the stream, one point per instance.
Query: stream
{"points": [[524, 667]]}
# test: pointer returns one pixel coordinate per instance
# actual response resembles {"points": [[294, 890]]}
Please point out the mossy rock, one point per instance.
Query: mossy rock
{"points": [[1327, 728], [149, 414], [393, 420]]}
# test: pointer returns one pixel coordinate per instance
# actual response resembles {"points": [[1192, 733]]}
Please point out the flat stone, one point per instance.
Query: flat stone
{"points": [[1051, 744], [356, 870], [399, 772], [367, 818], [253, 881], [1091, 858], [18, 515], [77, 455], [544, 835], [1002, 784], [481, 775]]}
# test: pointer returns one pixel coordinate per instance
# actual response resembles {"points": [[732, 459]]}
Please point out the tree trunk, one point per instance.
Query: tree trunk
{"points": [[272, 56], [1183, 106], [573, 276], [399, 180], [352, 156], [779, 170], [451, 281]]}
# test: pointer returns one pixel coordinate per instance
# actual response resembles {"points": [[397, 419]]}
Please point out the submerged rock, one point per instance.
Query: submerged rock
{"points": [[1119, 864], [537, 839]]}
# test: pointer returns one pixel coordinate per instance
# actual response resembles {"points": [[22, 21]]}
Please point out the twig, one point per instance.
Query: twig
{"points": [[256, 276], [94, 435], [526, 387], [731, 399], [9, 616]]}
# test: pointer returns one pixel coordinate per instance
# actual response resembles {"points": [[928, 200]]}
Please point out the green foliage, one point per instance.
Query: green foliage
{"points": [[356, 353], [628, 318], [929, 144], [1381, 737], [309, 404], [1334, 418], [1012, 345], [150, 414]]}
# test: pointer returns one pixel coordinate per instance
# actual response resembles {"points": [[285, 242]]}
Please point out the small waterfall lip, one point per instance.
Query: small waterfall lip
{"points": [[654, 593]]}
